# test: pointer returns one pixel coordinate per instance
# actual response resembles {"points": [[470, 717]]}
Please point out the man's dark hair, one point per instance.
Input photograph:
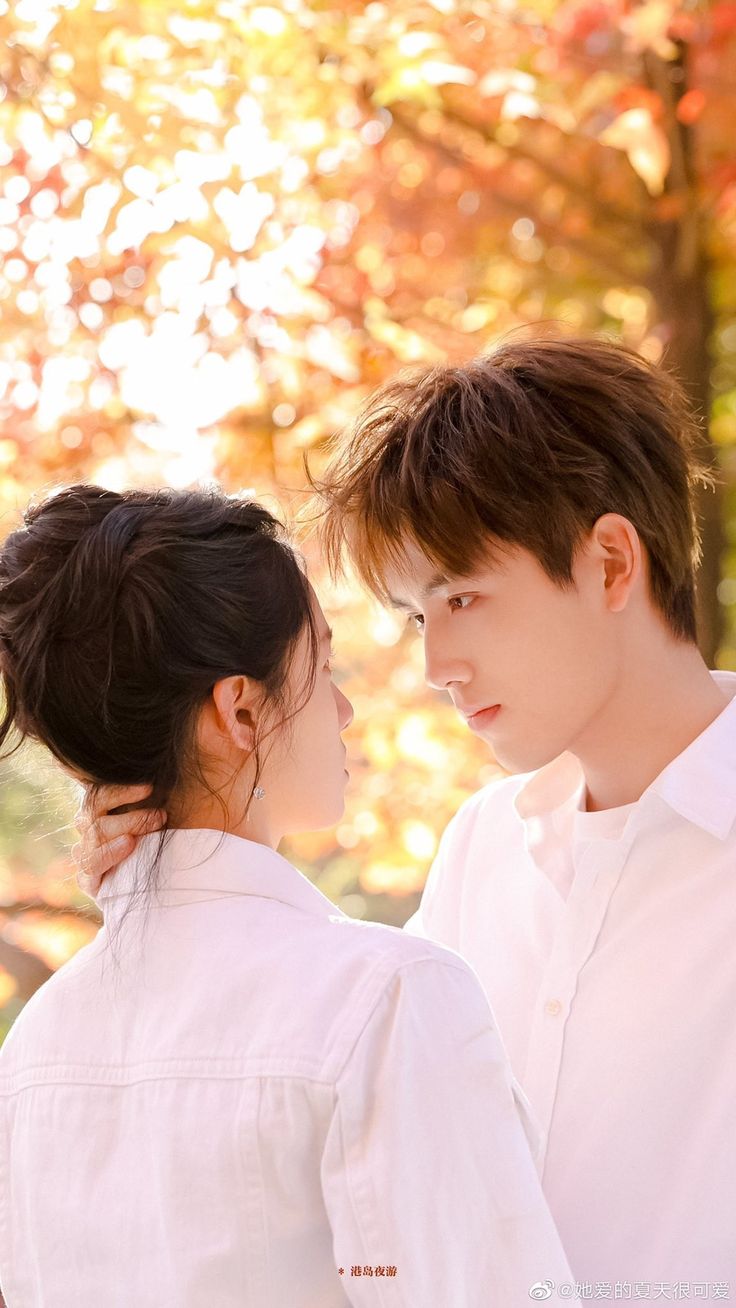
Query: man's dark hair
{"points": [[526, 447]]}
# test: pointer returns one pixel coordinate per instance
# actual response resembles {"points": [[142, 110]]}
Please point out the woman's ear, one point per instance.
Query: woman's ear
{"points": [[236, 704]]}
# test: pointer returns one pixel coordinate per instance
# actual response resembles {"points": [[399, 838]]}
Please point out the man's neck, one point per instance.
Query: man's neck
{"points": [[653, 716]]}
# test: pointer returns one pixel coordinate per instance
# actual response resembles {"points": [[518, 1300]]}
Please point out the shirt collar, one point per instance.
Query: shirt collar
{"points": [[699, 784], [197, 863]]}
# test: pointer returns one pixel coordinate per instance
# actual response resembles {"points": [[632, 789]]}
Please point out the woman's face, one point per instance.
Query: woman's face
{"points": [[304, 774]]}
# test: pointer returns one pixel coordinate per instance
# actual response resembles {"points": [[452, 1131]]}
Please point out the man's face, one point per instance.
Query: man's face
{"points": [[528, 664]]}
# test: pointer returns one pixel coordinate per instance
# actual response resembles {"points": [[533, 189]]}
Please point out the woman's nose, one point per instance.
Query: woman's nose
{"points": [[344, 710]]}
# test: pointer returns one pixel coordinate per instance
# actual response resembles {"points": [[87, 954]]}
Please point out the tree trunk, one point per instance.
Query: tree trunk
{"points": [[680, 285], [690, 319]]}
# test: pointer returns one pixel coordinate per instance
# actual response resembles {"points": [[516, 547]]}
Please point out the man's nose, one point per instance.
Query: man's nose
{"points": [[444, 664]]}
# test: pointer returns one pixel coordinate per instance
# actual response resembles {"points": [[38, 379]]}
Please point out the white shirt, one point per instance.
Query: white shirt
{"points": [[556, 839], [616, 1000], [240, 1096]]}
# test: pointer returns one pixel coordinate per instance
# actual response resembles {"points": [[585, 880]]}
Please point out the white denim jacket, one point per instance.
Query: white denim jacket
{"points": [[236, 1095]]}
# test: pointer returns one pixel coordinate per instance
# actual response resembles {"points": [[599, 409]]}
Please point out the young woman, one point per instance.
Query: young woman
{"points": [[235, 1095]]}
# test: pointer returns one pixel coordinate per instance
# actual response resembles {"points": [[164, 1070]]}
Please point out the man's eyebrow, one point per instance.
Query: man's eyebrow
{"points": [[435, 583]]}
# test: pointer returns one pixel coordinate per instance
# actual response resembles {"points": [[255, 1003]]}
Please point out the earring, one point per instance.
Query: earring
{"points": [[259, 792]]}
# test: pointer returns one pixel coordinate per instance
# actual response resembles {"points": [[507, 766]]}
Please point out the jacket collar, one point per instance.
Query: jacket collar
{"points": [[197, 863], [699, 784]]}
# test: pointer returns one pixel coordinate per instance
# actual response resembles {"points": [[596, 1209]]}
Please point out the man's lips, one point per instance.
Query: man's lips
{"points": [[478, 719]]}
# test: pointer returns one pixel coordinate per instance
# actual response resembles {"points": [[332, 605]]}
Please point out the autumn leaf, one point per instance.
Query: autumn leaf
{"points": [[637, 135]]}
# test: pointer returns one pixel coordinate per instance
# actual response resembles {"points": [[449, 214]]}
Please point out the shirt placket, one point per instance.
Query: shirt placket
{"points": [[597, 873]]}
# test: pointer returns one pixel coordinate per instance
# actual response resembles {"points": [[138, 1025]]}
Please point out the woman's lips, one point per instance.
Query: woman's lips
{"points": [[483, 718]]}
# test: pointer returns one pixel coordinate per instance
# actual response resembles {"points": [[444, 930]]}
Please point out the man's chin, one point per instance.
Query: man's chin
{"points": [[524, 758]]}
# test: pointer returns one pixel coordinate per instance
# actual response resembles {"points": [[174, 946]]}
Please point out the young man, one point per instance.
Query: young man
{"points": [[533, 512]]}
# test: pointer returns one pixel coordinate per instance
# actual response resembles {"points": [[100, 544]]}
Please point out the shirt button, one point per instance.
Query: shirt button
{"points": [[553, 1007]]}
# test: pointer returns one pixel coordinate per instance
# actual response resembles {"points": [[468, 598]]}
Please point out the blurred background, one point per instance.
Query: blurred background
{"points": [[223, 224]]}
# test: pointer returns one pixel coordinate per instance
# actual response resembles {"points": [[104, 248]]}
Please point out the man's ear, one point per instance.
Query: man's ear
{"points": [[617, 541], [235, 708]]}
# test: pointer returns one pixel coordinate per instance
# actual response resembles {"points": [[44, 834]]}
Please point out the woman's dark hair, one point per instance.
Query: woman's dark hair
{"points": [[120, 611]]}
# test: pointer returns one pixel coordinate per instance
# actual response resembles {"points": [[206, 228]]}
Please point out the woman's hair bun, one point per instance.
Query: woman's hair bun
{"points": [[120, 610]]}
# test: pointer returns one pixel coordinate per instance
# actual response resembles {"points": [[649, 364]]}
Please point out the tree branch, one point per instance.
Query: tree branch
{"points": [[605, 260], [607, 212]]}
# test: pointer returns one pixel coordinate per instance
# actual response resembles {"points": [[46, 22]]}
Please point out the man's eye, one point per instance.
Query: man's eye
{"points": [[418, 621], [462, 601]]}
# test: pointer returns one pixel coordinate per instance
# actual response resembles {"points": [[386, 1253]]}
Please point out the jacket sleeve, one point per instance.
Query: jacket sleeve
{"points": [[426, 1170]]}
